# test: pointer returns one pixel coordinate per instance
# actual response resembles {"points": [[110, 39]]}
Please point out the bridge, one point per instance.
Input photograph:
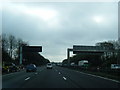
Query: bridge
{"points": [[89, 50]]}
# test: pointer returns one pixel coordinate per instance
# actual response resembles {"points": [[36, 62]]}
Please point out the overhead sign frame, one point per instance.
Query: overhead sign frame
{"points": [[29, 49], [32, 48], [88, 49]]}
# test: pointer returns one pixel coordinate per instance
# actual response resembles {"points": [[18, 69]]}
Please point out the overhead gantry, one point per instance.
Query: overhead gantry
{"points": [[93, 50], [29, 49]]}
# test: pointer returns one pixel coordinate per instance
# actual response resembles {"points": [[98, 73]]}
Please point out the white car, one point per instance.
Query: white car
{"points": [[49, 66]]}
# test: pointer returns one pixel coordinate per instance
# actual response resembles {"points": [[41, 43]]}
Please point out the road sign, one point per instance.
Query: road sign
{"points": [[88, 52], [32, 48], [87, 49]]}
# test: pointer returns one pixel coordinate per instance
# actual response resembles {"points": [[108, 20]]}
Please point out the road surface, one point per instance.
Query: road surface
{"points": [[58, 77]]}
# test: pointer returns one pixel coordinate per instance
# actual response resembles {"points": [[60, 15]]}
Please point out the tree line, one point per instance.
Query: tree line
{"points": [[10, 46]]}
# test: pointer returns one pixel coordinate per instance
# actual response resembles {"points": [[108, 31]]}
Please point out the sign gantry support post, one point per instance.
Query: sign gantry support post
{"points": [[68, 55]]}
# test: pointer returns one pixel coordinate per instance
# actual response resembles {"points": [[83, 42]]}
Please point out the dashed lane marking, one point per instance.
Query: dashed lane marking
{"points": [[36, 73], [56, 70], [64, 78], [27, 78], [59, 73], [99, 77]]}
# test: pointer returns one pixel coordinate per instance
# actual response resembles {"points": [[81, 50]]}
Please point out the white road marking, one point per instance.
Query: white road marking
{"points": [[56, 70], [59, 73], [64, 78], [27, 78], [99, 77], [41, 69], [36, 73]]}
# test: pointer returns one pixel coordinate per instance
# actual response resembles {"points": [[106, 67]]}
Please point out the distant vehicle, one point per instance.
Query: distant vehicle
{"points": [[72, 64], [59, 64], [83, 63], [115, 66], [31, 68], [49, 66]]}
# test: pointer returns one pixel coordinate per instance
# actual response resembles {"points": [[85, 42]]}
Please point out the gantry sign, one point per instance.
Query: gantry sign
{"points": [[93, 50], [89, 49], [77, 49], [32, 48], [29, 49]]}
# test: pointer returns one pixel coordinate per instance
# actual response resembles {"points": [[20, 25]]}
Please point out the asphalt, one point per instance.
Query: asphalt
{"points": [[58, 77]]}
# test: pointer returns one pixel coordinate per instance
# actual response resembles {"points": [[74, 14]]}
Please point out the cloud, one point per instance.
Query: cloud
{"points": [[58, 26]]}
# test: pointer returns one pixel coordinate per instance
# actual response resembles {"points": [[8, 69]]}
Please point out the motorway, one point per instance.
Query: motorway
{"points": [[58, 77]]}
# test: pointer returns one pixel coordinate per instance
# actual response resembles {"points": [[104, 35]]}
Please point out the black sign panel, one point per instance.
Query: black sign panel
{"points": [[88, 52], [88, 49], [97, 48], [32, 48]]}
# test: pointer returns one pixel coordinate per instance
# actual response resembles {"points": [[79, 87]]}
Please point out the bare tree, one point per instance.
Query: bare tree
{"points": [[19, 43], [0, 41], [117, 49], [10, 47], [113, 56], [12, 44], [5, 44]]}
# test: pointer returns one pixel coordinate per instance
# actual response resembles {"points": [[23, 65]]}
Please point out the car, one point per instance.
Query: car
{"points": [[31, 68], [49, 66]]}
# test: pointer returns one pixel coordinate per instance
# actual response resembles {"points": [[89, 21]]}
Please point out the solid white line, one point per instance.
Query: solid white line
{"points": [[64, 78], [27, 78], [99, 77]]}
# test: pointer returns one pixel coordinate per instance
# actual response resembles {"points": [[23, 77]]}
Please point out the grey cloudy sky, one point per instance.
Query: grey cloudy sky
{"points": [[57, 26]]}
